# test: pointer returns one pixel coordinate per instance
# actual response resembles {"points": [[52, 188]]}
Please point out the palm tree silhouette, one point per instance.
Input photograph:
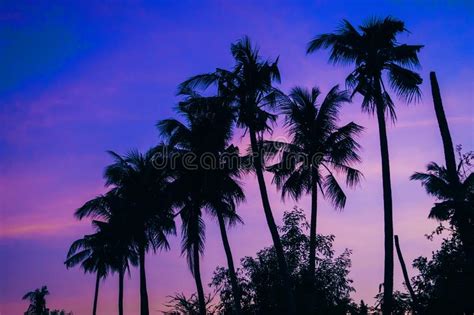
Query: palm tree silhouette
{"points": [[209, 184], [437, 183], [91, 252], [249, 88], [374, 51], [37, 300], [318, 148], [121, 252], [221, 189], [453, 189], [149, 214]]}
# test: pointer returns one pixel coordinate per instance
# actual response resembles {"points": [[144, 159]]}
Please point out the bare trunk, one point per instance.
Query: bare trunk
{"points": [[197, 278], [388, 212], [416, 306], [120, 298], [312, 238], [96, 294], [283, 267], [312, 234], [444, 129], [230, 264], [144, 310]]}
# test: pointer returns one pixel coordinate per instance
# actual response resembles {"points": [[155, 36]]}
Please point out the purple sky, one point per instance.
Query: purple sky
{"points": [[77, 80]]}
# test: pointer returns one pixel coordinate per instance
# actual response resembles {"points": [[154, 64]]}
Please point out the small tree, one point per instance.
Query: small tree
{"points": [[37, 300], [262, 292]]}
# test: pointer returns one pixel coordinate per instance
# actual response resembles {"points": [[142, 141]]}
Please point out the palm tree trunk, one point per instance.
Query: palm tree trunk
{"points": [[405, 276], [444, 129], [230, 264], [312, 233], [388, 212], [96, 294], [197, 278], [272, 225], [120, 298], [144, 310], [312, 237]]}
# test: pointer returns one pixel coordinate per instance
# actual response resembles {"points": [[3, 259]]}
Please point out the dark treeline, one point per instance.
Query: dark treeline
{"points": [[299, 273]]}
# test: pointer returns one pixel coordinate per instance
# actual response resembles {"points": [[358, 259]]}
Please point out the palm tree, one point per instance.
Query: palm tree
{"points": [[464, 218], [453, 188], [208, 184], [374, 50], [90, 252], [149, 216], [318, 148], [249, 88], [119, 249], [222, 191], [455, 200], [37, 300]]}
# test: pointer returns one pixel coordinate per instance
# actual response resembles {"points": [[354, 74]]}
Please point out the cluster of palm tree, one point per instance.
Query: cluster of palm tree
{"points": [[147, 191]]}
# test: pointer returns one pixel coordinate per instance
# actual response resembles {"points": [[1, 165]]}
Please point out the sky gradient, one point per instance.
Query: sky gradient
{"points": [[79, 79]]}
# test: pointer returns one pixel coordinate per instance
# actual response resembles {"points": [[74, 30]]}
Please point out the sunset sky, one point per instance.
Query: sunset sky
{"points": [[79, 79]]}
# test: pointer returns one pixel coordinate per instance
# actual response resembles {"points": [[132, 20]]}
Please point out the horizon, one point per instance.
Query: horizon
{"points": [[82, 79]]}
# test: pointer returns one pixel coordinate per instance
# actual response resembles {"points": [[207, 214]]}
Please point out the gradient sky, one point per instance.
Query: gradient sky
{"points": [[79, 79]]}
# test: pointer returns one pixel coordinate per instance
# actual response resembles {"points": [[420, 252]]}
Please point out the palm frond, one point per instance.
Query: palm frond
{"points": [[404, 82], [334, 192]]}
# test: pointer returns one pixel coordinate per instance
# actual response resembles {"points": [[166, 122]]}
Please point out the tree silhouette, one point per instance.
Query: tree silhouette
{"points": [[375, 51], [112, 208], [180, 304], [91, 253], [318, 148], [262, 291], [441, 285], [37, 300], [211, 183], [149, 214], [453, 188], [249, 89]]}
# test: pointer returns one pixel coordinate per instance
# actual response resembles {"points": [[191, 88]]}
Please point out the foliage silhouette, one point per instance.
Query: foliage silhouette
{"points": [[375, 51], [318, 148], [204, 135], [91, 253], [37, 300], [402, 303], [149, 214], [180, 304], [441, 285], [454, 190], [262, 293], [112, 208], [249, 89]]}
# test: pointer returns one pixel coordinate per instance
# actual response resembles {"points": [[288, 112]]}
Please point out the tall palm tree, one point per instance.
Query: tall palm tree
{"points": [[37, 300], [221, 189], [90, 252], [149, 216], [374, 50], [453, 189], [249, 88], [119, 249], [463, 216], [318, 147], [210, 183]]}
